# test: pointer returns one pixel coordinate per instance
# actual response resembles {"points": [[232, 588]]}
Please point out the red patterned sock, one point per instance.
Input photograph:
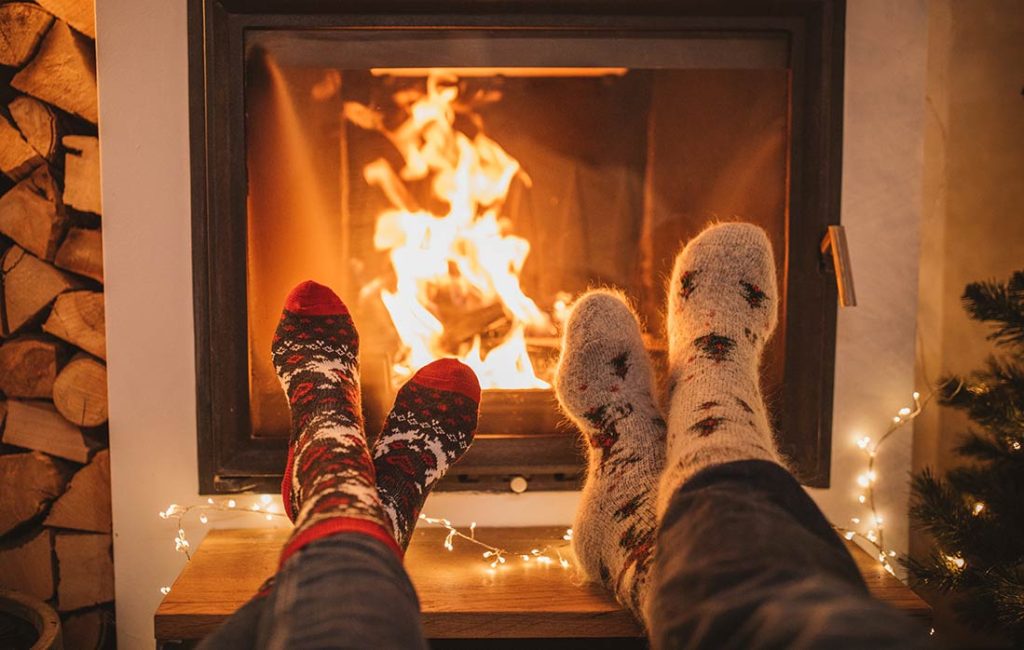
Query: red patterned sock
{"points": [[429, 429], [329, 485]]}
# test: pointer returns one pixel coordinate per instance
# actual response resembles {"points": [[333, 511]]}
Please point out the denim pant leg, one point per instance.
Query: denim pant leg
{"points": [[746, 559], [344, 591]]}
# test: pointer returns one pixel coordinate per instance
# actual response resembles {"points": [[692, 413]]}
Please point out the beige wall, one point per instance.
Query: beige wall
{"points": [[142, 62], [973, 220]]}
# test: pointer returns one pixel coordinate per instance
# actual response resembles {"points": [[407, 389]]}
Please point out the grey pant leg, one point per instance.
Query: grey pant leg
{"points": [[239, 631], [746, 560], [344, 591]]}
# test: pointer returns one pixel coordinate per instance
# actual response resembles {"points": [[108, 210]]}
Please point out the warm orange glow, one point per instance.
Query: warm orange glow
{"points": [[467, 257]]}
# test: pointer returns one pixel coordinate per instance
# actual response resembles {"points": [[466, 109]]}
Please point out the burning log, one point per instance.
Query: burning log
{"points": [[22, 25], [82, 173], [38, 426], [86, 570], [461, 327], [37, 123], [82, 253], [86, 503], [30, 285], [63, 73], [28, 367], [29, 482], [32, 215], [80, 392], [17, 157], [78, 318]]}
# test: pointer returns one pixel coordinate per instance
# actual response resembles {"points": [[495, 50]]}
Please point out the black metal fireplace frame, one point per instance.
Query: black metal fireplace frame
{"points": [[232, 460]]}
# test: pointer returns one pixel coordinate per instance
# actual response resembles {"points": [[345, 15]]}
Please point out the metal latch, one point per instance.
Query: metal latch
{"points": [[835, 241]]}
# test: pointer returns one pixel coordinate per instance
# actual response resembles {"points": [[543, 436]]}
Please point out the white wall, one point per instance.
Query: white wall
{"points": [[142, 60]]}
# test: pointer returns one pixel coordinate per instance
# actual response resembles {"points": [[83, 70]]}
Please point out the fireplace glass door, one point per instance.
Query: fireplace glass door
{"points": [[460, 188]]}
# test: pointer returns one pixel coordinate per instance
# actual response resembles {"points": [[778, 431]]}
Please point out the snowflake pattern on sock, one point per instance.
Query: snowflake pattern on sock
{"points": [[329, 474], [715, 347], [604, 384], [428, 430]]}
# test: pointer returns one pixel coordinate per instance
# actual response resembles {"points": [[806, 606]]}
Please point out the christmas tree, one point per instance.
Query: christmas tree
{"points": [[975, 514]]}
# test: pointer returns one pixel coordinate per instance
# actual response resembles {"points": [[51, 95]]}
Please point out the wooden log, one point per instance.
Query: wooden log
{"points": [[28, 567], [82, 173], [63, 73], [86, 503], [80, 392], [38, 426], [28, 367], [82, 253], [22, 25], [32, 215], [30, 285], [37, 123], [80, 14], [29, 482], [77, 317], [87, 630], [86, 570], [17, 157]]}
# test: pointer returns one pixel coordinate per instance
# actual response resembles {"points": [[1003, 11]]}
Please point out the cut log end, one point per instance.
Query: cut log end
{"points": [[80, 392]]}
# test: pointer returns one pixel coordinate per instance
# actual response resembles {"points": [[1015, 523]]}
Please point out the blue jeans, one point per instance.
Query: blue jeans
{"points": [[745, 560]]}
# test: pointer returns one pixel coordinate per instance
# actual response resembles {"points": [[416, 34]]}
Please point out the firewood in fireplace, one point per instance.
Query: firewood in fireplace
{"points": [[17, 157], [86, 570], [80, 392], [29, 482], [28, 367], [63, 73], [32, 215], [77, 317], [86, 503], [30, 285], [38, 426], [460, 327], [22, 25], [82, 253], [38, 124], [82, 173], [77, 13]]}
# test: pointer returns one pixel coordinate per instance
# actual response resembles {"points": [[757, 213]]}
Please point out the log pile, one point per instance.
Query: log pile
{"points": [[55, 514]]}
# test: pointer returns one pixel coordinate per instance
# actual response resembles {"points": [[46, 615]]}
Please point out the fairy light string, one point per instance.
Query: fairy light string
{"points": [[495, 556], [874, 535]]}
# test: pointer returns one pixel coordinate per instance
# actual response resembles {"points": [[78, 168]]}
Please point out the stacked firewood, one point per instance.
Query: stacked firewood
{"points": [[55, 521]]}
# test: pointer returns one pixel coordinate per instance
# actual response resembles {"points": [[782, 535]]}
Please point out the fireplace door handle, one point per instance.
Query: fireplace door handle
{"points": [[834, 241]]}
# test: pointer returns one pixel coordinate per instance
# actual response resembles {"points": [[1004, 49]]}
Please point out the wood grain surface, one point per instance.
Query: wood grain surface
{"points": [[460, 596]]}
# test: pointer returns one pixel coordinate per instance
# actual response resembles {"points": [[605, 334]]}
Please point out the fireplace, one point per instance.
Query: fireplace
{"points": [[460, 176]]}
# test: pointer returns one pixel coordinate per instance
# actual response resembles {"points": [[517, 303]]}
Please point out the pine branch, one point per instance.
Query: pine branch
{"points": [[1000, 304]]}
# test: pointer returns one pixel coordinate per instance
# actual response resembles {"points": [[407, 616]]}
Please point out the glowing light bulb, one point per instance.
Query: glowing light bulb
{"points": [[203, 519], [979, 507], [231, 503], [265, 498]]}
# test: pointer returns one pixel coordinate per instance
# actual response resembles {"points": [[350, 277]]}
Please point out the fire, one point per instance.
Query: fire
{"points": [[456, 274]]}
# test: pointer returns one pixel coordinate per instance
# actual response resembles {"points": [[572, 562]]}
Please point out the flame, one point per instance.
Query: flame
{"points": [[467, 256]]}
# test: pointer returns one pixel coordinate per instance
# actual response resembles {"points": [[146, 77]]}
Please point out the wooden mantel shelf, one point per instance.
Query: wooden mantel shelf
{"points": [[459, 596]]}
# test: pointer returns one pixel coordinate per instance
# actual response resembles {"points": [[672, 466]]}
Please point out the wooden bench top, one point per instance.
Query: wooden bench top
{"points": [[460, 596]]}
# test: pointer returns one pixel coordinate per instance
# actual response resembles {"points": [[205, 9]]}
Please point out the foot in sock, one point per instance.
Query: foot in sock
{"points": [[604, 384], [329, 484], [722, 307], [429, 429]]}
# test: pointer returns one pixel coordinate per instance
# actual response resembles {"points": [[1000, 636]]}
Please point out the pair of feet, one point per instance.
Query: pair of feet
{"points": [[722, 307], [334, 482]]}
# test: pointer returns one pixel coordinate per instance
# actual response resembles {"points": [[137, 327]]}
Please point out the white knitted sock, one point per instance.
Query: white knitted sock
{"points": [[604, 384], [722, 307]]}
